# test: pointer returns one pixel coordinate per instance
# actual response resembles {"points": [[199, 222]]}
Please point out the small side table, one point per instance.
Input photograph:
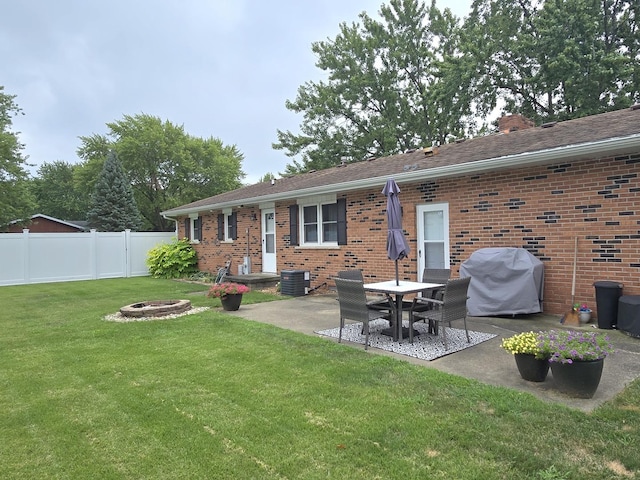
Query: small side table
{"points": [[629, 314]]}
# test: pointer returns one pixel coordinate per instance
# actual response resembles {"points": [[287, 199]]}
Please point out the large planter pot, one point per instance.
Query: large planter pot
{"points": [[531, 368], [585, 316], [231, 303], [577, 379]]}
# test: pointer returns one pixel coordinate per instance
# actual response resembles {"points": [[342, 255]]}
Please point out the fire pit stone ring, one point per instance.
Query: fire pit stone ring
{"points": [[155, 308]]}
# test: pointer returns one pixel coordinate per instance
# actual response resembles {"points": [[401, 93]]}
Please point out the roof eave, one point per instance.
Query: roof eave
{"points": [[611, 146]]}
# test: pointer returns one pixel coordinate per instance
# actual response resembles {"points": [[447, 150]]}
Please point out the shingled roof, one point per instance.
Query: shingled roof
{"points": [[613, 133]]}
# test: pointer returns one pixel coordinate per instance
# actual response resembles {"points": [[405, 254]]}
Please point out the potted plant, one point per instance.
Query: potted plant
{"points": [[576, 359], [584, 312], [531, 361], [229, 293]]}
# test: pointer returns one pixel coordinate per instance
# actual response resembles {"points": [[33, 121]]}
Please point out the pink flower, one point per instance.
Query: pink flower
{"points": [[220, 290]]}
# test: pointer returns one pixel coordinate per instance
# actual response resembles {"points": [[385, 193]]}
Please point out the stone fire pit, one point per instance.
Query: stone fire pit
{"points": [[155, 308]]}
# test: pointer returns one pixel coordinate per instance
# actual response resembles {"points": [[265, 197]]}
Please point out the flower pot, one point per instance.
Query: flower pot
{"points": [[531, 368], [232, 302], [578, 379], [585, 316]]}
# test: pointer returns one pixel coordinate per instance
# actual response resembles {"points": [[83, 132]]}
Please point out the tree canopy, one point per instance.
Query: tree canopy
{"points": [[113, 208], [16, 201], [419, 76], [56, 191], [384, 92], [165, 165], [554, 60]]}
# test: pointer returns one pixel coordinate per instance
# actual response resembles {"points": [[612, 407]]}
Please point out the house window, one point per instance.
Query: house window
{"points": [[193, 228], [321, 223], [330, 223], [227, 226], [310, 224]]}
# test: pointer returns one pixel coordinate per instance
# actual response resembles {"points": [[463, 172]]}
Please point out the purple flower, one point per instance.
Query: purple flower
{"points": [[565, 346]]}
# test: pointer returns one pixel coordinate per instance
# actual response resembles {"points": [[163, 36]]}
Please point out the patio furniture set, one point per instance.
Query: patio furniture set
{"points": [[439, 300]]}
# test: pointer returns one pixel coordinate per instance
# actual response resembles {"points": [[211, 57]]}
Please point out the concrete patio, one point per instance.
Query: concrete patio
{"points": [[486, 362]]}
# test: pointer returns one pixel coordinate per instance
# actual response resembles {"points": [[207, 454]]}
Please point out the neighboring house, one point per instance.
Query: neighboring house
{"points": [[537, 188], [40, 223]]}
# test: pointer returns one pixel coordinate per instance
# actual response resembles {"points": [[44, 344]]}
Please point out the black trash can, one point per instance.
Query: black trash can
{"points": [[629, 314], [607, 295]]}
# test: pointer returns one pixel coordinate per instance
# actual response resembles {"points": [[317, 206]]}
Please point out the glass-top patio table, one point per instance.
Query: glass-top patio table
{"points": [[404, 288]]}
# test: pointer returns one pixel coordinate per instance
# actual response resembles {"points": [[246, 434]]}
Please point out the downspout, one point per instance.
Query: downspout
{"points": [[175, 220]]}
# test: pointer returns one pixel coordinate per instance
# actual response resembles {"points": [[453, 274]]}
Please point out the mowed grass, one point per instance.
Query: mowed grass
{"points": [[215, 396]]}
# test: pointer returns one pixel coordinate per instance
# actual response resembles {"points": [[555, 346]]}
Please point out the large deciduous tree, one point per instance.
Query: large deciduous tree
{"points": [[16, 201], [113, 208], [166, 166], [384, 91], [553, 60], [415, 77], [57, 193]]}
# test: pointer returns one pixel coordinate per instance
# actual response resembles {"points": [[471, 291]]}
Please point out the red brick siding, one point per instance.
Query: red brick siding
{"points": [[212, 254], [541, 209]]}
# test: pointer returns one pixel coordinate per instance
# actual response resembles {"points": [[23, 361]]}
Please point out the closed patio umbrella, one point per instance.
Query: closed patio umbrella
{"points": [[397, 246]]}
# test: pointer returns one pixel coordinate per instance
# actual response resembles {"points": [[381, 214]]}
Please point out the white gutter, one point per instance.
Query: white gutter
{"points": [[175, 220], [608, 147]]}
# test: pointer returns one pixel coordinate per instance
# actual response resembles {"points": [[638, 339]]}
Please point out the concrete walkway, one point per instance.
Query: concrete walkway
{"points": [[486, 362]]}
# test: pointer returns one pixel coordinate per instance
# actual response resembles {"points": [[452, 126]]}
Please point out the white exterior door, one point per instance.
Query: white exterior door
{"points": [[269, 241], [433, 236]]}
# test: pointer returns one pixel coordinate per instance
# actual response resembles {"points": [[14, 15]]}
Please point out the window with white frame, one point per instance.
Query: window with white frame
{"points": [[319, 222], [193, 228], [227, 226]]}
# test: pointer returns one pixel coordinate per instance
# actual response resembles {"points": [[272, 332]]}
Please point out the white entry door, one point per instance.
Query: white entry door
{"points": [[269, 241], [433, 236]]}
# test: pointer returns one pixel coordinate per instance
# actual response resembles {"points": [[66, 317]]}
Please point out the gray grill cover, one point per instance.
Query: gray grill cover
{"points": [[504, 281]]}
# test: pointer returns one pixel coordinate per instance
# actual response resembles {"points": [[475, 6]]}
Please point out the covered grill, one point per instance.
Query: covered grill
{"points": [[504, 281]]}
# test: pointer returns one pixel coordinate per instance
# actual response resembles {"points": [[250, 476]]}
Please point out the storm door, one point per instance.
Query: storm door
{"points": [[269, 241], [433, 236]]}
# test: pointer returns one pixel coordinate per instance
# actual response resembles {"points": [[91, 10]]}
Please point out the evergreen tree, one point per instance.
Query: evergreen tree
{"points": [[113, 208]]}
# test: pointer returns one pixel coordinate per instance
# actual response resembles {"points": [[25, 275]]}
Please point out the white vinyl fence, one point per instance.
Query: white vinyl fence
{"points": [[60, 257]]}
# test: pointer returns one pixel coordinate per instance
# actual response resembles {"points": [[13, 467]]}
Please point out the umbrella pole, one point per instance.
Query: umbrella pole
{"points": [[397, 277]]}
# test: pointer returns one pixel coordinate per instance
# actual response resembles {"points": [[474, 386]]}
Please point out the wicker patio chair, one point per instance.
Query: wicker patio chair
{"points": [[453, 306], [374, 303], [353, 306], [430, 275]]}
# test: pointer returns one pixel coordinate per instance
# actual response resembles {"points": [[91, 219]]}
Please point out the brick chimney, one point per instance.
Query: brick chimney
{"points": [[513, 123]]}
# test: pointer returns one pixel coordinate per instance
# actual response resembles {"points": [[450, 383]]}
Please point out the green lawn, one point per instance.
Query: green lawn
{"points": [[215, 396]]}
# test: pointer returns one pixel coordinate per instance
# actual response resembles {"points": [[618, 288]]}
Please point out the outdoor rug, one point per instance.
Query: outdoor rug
{"points": [[424, 347]]}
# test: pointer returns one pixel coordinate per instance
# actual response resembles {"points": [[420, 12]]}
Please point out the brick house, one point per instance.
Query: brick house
{"points": [[525, 186]]}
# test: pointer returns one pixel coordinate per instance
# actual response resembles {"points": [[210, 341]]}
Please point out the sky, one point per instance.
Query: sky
{"points": [[218, 68]]}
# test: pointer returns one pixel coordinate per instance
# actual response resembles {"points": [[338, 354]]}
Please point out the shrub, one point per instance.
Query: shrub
{"points": [[177, 259]]}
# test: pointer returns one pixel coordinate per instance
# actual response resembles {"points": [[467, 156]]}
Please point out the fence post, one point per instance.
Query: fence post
{"points": [[26, 275], [93, 253], [127, 253]]}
